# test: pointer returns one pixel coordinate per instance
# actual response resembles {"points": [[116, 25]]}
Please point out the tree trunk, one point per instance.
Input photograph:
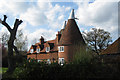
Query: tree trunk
{"points": [[11, 61], [11, 58]]}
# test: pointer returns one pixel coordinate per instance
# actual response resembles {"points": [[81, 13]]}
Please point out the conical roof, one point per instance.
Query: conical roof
{"points": [[114, 48], [71, 34], [64, 24], [72, 16]]}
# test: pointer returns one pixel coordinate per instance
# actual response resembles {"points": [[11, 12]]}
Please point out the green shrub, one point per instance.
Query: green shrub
{"points": [[82, 55], [84, 70]]}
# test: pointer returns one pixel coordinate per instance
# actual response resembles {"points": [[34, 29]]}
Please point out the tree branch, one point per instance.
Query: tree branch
{"points": [[0, 21], [16, 50], [5, 17], [5, 24], [17, 23]]}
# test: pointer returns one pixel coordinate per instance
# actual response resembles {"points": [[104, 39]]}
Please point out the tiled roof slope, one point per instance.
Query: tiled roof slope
{"points": [[114, 48], [71, 34], [51, 43]]}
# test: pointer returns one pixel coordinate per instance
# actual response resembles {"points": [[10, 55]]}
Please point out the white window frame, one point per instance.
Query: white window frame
{"points": [[31, 50], [61, 61], [39, 60], [61, 49], [38, 50], [48, 61], [47, 49]]}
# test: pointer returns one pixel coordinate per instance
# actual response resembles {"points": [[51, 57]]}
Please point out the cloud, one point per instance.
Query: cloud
{"points": [[13, 8], [47, 34], [99, 14], [56, 16], [35, 14], [45, 13]]}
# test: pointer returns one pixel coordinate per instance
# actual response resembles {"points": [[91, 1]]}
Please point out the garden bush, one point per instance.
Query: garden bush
{"points": [[34, 70]]}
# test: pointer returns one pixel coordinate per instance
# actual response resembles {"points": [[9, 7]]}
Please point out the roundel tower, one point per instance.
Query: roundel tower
{"points": [[70, 36]]}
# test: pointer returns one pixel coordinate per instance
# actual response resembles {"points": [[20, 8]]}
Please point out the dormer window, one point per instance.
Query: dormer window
{"points": [[31, 51], [38, 50], [61, 49], [47, 49]]}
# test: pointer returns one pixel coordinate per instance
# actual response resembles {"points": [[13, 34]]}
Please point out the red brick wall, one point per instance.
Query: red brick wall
{"points": [[67, 54], [44, 56], [32, 56]]}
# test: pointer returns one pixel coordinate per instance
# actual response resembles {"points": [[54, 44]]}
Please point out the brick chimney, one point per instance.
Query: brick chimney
{"points": [[41, 40], [58, 36]]}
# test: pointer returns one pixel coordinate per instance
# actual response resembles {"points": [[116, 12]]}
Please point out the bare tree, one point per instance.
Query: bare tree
{"points": [[11, 46], [97, 39], [34, 41], [5, 38], [20, 41]]}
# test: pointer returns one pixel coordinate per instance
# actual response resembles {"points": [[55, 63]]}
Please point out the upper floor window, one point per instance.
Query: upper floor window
{"points": [[38, 50], [61, 49], [31, 50], [47, 49]]}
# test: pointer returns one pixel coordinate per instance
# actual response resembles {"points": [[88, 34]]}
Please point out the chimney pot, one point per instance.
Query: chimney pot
{"points": [[42, 40]]}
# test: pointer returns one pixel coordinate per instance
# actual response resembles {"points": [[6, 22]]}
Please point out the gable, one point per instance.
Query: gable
{"points": [[114, 48]]}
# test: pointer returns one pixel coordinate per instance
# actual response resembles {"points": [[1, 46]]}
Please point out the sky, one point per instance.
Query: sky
{"points": [[42, 18]]}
